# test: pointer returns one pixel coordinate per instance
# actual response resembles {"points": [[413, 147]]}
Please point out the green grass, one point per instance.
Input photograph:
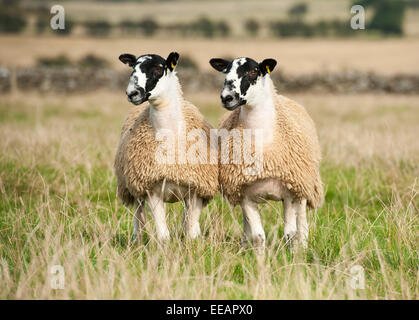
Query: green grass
{"points": [[58, 206]]}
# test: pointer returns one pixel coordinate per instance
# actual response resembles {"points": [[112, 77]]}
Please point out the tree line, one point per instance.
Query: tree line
{"points": [[387, 19]]}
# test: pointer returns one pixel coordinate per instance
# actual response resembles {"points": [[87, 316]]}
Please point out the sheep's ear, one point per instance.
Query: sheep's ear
{"points": [[219, 64], [267, 66], [171, 60], [128, 59]]}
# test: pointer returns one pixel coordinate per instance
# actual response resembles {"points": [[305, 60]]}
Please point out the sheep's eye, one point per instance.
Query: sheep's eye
{"points": [[158, 71], [252, 74]]}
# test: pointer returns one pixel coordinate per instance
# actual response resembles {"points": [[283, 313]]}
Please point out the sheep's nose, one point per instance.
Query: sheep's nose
{"points": [[226, 99], [132, 94]]}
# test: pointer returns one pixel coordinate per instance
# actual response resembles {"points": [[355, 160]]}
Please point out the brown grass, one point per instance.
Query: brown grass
{"points": [[294, 56]]}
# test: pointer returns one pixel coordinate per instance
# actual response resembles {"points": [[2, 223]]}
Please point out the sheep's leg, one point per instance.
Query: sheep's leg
{"points": [[252, 224], [246, 232], [193, 208], [302, 225], [290, 217], [158, 211], [139, 221]]}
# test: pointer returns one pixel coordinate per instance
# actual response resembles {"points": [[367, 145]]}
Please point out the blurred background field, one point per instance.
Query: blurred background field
{"points": [[385, 56], [62, 103], [172, 15], [303, 36]]}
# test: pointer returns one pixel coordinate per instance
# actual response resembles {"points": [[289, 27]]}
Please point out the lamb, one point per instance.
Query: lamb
{"points": [[145, 172], [290, 156]]}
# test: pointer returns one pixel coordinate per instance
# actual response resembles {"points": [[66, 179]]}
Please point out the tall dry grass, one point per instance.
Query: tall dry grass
{"points": [[58, 207]]}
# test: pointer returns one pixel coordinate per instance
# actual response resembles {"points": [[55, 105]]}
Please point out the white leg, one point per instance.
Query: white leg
{"points": [[253, 229], [302, 225], [290, 217], [139, 221], [158, 211], [192, 212]]}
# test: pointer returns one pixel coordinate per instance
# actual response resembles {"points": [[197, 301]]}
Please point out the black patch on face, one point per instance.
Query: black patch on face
{"points": [[154, 68], [248, 74], [229, 84], [230, 65]]}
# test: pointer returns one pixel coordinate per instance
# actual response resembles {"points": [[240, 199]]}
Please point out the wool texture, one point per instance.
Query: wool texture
{"points": [[293, 156], [138, 170]]}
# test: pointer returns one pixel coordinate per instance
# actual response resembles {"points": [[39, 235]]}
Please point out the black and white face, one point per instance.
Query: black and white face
{"points": [[244, 80], [150, 76]]}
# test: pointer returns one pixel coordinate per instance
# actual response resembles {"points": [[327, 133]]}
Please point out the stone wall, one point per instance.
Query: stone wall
{"points": [[71, 80]]}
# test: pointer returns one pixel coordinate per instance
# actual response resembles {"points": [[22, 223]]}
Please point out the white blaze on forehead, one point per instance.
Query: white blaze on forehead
{"points": [[232, 74], [141, 59], [234, 77], [138, 75]]}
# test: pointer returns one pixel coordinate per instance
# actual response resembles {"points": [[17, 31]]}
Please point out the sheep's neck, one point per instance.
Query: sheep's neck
{"points": [[260, 114], [166, 112]]}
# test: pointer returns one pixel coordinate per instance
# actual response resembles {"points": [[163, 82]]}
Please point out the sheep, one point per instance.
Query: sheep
{"points": [[145, 174], [290, 156]]}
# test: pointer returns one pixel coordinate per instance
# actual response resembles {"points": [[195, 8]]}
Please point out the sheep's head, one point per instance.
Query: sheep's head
{"points": [[151, 75], [244, 80]]}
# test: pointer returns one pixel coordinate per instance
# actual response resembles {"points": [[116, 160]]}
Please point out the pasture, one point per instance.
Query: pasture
{"points": [[58, 206], [294, 56]]}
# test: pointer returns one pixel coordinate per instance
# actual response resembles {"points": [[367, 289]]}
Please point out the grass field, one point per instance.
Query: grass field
{"points": [[58, 207], [296, 56]]}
